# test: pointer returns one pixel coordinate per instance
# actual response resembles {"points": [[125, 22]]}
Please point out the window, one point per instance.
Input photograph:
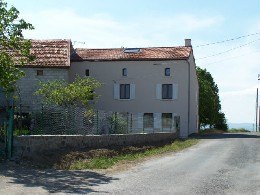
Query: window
{"points": [[39, 72], [166, 120], [166, 91], [87, 72], [167, 72], [148, 120], [124, 72], [124, 91], [132, 50]]}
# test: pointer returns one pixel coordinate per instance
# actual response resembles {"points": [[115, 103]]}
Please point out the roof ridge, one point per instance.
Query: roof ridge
{"points": [[118, 48]]}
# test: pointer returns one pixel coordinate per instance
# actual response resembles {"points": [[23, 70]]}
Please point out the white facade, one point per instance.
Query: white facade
{"points": [[145, 80]]}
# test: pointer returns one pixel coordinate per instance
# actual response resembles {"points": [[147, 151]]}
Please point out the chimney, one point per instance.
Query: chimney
{"points": [[188, 43]]}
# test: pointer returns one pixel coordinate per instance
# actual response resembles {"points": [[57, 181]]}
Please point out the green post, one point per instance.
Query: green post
{"points": [[42, 120], [10, 133], [5, 141]]}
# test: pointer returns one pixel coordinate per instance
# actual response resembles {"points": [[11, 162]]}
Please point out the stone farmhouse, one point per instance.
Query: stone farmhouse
{"points": [[157, 84]]}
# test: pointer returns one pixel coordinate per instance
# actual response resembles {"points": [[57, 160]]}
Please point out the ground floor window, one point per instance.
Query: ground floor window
{"points": [[166, 120], [148, 120]]}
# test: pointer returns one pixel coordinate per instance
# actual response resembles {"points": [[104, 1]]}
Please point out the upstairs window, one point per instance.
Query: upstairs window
{"points": [[167, 72], [167, 91], [124, 91], [124, 72], [87, 72], [39, 72]]}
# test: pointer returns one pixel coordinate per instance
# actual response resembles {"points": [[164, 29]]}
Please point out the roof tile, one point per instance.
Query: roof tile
{"points": [[151, 53]]}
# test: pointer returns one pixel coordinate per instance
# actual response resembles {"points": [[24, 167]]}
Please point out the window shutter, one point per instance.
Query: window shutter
{"points": [[140, 123], [157, 120], [116, 91], [158, 91], [132, 91], [175, 91]]}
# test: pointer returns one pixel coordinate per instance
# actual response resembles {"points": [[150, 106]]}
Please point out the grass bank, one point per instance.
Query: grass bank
{"points": [[106, 158]]}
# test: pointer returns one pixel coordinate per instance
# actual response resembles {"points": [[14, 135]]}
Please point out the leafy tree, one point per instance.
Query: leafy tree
{"points": [[209, 102], [77, 93], [14, 49]]}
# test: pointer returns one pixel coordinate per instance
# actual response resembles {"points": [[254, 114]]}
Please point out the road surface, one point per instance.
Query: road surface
{"points": [[219, 164]]}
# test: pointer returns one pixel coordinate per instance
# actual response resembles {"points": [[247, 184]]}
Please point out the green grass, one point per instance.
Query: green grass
{"points": [[18, 132], [107, 162], [238, 130]]}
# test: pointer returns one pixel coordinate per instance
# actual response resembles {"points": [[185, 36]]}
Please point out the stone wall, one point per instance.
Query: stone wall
{"points": [[30, 145], [27, 86]]}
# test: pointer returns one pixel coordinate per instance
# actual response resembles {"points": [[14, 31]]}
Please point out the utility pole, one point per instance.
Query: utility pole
{"points": [[256, 113], [257, 109]]}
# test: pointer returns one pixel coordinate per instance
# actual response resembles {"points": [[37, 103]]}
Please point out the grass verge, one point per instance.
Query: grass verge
{"points": [[104, 162]]}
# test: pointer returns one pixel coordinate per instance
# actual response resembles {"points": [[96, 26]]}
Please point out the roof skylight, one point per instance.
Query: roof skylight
{"points": [[132, 50]]}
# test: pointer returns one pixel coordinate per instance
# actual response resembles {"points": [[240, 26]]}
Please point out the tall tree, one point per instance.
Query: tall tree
{"points": [[209, 102], [14, 49]]}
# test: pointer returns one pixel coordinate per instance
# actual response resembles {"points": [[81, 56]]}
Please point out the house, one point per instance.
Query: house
{"points": [[52, 62], [157, 84]]}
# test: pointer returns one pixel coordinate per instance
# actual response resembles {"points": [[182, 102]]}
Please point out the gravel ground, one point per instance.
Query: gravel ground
{"points": [[219, 164]]}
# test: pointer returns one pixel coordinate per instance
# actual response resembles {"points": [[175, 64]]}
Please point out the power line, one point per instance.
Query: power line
{"points": [[229, 50], [214, 43], [230, 58]]}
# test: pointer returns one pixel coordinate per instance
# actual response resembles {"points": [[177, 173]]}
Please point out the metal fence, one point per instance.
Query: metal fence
{"points": [[54, 120]]}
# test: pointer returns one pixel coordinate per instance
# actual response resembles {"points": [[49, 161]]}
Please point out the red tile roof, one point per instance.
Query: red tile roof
{"points": [[50, 53], [151, 53]]}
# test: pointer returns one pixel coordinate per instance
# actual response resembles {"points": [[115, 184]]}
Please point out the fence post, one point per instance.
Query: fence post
{"points": [[116, 122], [10, 132], [42, 119], [127, 115], [97, 121]]}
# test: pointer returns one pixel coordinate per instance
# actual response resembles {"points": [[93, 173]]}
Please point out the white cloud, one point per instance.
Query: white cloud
{"points": [[102, 30]]}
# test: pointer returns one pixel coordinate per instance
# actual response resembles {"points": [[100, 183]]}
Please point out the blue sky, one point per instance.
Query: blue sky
{"points": [[143, 23]]}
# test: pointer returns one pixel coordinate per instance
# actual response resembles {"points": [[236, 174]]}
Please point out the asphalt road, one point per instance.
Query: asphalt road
{"points": [[219, 164]]}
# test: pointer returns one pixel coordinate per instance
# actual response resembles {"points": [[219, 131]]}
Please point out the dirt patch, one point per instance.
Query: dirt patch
{"points": [[63, 159]]}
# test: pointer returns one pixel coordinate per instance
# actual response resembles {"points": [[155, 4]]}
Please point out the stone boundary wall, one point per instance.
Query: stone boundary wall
{"points": [[30, 145]]}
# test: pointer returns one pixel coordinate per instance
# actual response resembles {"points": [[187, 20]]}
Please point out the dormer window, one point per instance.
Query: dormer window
{"points": [[124, 72], [132, 50]]}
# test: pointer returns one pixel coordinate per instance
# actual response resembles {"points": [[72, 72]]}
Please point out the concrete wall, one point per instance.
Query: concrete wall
{"points": [[30, 83], [30, 145]]}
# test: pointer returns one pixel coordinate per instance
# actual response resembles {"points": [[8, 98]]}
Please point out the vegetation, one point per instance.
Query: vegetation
{"points": [[210, 113], [106, 158], [238, 130], [77, 93], [14, 49]]}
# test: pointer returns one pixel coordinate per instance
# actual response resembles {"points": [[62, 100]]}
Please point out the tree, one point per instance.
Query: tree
{"points": [[209, 103], [77, 93], [14, 49]]}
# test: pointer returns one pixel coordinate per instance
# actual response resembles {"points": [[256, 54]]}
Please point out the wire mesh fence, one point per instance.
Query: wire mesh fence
{"points": [[55, 120]]}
